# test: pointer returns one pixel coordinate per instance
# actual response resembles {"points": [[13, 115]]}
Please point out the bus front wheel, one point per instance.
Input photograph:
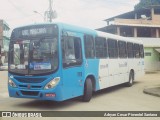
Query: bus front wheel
{"points": [[87, 90]]}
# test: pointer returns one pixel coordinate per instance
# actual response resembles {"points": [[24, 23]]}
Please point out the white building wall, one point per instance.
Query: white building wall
{"points": [[152, 63]]}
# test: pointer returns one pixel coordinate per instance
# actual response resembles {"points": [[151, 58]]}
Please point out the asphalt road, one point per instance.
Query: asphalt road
{"points": [[117, 98]]}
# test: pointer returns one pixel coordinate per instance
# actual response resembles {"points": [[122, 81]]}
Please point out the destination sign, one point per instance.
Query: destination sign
{"points": [[35, 31]]}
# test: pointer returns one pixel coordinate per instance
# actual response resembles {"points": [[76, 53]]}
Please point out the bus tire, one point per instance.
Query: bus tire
{"points": [[131, 78], [87, 90]]}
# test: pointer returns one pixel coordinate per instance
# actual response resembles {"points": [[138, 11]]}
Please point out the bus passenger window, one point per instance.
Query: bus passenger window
{"points": [[112, 48], [71, 51], [89, 46], [141, 51], [130, 50], [122, 49], [101, 47], [136, 51]]}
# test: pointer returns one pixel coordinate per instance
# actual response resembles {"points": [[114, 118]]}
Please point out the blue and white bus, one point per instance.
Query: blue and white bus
{"points": [[58, 61]]}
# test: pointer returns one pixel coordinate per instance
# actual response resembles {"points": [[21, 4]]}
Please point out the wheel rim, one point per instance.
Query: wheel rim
{"points": [[131, 81]]}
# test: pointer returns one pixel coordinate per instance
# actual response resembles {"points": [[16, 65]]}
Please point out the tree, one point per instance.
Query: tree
{"points": [[146, 4]]}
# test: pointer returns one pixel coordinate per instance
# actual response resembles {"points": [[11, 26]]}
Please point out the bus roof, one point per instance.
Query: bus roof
{"points": [[117, 37], [87, 31], [99, 33]]}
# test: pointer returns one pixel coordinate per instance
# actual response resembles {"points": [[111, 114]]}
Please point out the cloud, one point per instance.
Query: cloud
{"points": [[88, 13], [91, 13]]}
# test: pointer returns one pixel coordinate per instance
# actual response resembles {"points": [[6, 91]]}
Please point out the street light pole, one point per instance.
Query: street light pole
{"points": [[39, 14]]}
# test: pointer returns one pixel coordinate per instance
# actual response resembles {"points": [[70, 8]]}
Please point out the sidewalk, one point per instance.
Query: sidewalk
{"points": [[153, 90]]}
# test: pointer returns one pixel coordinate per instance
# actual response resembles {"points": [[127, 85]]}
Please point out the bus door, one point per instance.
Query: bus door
{"points": [[72, 64]]}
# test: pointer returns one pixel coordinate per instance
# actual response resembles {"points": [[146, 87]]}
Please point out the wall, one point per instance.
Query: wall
{"points": [[152, 62], [132, 21], [156, 19]]}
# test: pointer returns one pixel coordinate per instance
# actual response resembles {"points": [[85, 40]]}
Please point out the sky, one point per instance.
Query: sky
{"points": [[87, 13]]}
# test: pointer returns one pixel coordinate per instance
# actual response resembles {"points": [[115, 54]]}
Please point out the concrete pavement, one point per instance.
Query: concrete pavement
{"points": [[118, 98], [153, 90]]}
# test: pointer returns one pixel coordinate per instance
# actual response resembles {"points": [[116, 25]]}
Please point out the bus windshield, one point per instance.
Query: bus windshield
{"points": [[33, 56]]}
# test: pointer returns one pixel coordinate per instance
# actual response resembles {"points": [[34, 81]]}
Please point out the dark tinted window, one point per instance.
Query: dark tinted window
{"points": [[130, 50], [101, 47], [148, 54], [122, 49], [136, 51], [89, 46], [112, 48], [141, 51]]}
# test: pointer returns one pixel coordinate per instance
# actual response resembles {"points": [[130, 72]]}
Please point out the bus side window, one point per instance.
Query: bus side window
{"points": [[71, 51], [89, 46], [130, 50], [101, 47], [122, 49], [112, 48], [141, 51], [136, 51]]}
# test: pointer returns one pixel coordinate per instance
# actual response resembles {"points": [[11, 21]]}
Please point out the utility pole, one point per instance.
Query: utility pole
{"points": [[50, 10], [50, 14]]}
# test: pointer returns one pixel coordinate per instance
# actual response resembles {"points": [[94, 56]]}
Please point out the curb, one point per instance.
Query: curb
{"points": [[155, 91]]}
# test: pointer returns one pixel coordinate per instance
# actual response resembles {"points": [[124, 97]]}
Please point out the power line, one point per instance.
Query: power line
{"points": [[17, 8]]}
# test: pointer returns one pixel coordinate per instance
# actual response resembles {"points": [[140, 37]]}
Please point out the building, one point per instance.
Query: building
{"points": [[4, 41], [141, 24]]}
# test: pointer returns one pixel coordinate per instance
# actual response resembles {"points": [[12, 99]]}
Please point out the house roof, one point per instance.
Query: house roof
{"points": [[130, 14], [139, 12]]}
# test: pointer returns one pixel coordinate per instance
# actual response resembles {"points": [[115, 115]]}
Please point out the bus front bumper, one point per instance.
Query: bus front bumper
{"points": [[51, 94]]}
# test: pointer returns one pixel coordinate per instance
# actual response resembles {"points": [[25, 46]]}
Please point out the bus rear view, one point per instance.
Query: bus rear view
{"points": [[33, 62]]}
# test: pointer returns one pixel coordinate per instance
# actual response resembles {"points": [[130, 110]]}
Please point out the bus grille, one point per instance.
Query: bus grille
{"points": [[34, 87], [30, 93], [30, 80]]}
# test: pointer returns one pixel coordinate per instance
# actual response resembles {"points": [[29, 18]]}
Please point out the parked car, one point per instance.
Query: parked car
{"points": [[4, 66]]}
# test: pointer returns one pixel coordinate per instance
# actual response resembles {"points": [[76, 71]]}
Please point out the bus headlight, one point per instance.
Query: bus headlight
{"points": [[11, 83], [52, 83]]}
